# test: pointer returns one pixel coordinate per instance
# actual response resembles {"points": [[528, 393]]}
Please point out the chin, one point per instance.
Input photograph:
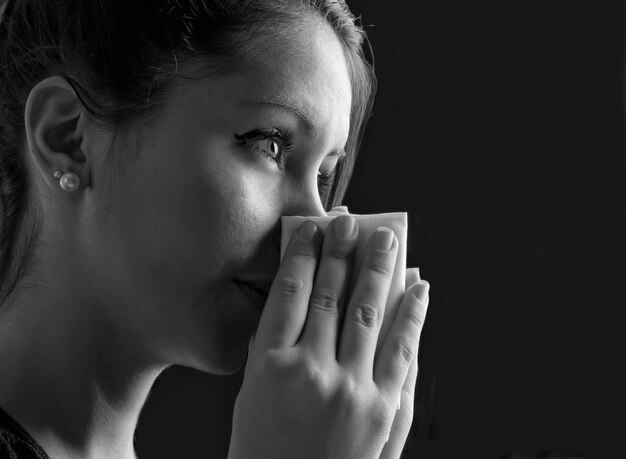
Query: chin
{"points": [[227, 357], [225, 367], [220, 347]]}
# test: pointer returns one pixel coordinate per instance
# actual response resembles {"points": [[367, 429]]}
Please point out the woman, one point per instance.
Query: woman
{"points": [[148, 150]]}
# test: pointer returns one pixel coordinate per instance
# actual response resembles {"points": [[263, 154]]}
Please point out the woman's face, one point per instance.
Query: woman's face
{"points": [[191, 218]]}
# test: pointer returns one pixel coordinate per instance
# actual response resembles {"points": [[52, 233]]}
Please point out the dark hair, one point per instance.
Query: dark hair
{"points": [[119, 57]]}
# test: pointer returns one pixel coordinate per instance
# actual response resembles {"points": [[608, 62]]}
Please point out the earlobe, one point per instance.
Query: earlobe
{"points": [[54, 121]]}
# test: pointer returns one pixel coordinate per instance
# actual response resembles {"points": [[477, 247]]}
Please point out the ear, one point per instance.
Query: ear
{"points": [[55, 121]]}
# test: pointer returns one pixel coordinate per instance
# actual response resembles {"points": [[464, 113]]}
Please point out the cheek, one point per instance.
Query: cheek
{"points": [[244, 211], [193, 223]]}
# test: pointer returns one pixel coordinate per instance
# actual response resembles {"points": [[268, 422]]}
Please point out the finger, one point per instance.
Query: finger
{"points": [[366, 308], [327, 301], [412, 276], [285, 309], [404, 417], [401, 345], [407, 396]]}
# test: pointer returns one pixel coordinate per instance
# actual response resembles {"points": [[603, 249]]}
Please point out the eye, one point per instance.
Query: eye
{"points": [[325, 181], [272, 144]]}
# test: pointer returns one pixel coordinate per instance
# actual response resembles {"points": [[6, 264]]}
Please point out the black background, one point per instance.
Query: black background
{"points": [[499, 127]]}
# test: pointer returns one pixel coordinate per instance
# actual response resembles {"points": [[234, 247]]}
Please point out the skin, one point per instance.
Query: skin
{"points": [[140, 268], [326, 367]]}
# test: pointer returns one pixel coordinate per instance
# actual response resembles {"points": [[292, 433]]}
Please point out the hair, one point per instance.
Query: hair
{"points": [[120, 56]]}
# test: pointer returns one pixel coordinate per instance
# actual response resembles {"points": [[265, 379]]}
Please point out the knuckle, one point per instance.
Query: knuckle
{"points": [[346, 392], [324, 300], [367, 314], [311, 373], [380, 418], [406, 419], [304, 251], [405, 347], [380, 263], [289, 287], [408, 400], [338, 252], [415, 318], [312, 377], [345, 398]]}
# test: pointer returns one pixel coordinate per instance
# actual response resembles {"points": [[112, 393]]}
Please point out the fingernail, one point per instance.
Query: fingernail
{"points": [[344, 227], [307, 230], [383, 238], [418, 274], [421, 291]]}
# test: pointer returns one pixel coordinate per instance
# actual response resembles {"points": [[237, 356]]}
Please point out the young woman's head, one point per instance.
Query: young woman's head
{"points": [[193, 126]]}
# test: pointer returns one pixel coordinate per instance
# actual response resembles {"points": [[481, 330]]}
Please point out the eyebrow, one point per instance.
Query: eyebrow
{"points": [[304, 116]]}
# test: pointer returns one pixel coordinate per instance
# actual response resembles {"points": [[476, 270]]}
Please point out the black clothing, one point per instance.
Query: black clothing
{"points": [[15, 442]]}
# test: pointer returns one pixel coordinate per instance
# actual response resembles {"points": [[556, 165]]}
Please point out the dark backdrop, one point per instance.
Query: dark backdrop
{"points": [[498, 126]]}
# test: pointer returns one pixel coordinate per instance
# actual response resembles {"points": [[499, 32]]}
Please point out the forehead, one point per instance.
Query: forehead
{"points": [[310, 58], [304, 68]]}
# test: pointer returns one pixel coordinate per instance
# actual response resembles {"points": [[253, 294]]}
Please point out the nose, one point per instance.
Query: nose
{"points": [[303, 199], [299, 199]]}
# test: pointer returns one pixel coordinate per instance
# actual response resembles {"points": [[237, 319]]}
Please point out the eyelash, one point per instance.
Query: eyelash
{"points": [[250, 140], [325, 180]]}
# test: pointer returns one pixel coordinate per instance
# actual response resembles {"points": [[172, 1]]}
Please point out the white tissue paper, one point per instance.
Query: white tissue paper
{"points": [[367, 226]]}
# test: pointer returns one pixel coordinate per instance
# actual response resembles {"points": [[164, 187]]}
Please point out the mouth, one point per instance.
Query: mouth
{"points": [[256, 295]]}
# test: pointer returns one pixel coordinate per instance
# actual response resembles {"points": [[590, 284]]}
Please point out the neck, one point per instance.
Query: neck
{"points": [[70, 377]]}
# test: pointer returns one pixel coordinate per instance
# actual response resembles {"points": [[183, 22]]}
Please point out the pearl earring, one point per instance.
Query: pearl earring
{"points": [[69, 181]]}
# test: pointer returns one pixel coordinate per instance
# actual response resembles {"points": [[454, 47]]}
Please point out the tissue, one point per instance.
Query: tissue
{"points": [[367, 226]]}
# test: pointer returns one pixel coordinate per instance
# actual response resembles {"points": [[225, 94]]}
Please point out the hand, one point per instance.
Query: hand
{"points": [[404, 416], [313, 387]]}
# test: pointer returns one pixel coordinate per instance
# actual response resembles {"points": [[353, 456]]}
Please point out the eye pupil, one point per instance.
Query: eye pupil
{"points": [[274, 147]]}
